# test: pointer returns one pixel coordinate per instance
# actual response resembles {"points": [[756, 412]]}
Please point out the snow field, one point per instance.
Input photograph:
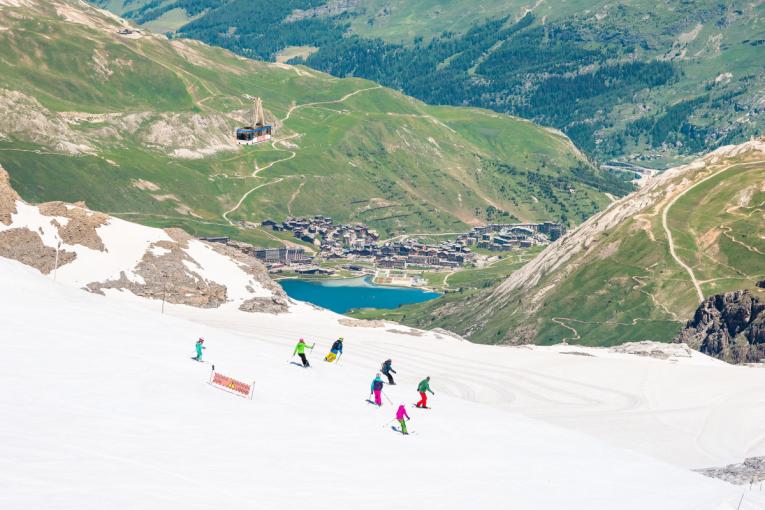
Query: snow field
{"points": [[106, 410]]}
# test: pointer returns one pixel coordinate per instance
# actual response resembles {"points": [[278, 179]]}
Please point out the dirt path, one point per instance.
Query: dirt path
{"points": [[344, 98], [559, 322], [273, 144], [294, 196], [668, 232], [239, 204], [446, 278]]}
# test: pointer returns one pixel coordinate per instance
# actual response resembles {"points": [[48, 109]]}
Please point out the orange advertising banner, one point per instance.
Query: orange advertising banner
{"points": [[231, 384]]}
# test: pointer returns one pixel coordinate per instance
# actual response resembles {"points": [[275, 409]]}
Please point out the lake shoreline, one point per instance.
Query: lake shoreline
{"points": [[343, 295]]}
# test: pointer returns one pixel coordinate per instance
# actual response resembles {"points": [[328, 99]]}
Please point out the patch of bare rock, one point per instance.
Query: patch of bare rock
{"points": [[752, 470], [25, 246], [361, 323], [278, 302], [410, 332], [446, 332], [163, 274], [658, 350], [8, 198], [81, 227]]}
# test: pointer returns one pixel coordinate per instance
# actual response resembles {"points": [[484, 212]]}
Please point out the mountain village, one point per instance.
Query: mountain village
{"points": [[359, 249]]}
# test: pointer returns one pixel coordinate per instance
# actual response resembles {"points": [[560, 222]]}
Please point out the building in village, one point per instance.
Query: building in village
{"points": [[361, 242], [509, 236]]}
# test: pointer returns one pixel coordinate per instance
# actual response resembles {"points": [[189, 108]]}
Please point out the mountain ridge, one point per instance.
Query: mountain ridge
{"points": [[653, 84], [142, 126], [642, 261]]}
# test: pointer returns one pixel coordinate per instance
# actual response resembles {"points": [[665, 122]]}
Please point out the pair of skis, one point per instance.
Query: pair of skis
{"points": [[394, 427]]}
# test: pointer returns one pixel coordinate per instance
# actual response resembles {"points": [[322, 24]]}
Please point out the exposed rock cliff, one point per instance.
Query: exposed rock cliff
{"points": [[728, 326]]}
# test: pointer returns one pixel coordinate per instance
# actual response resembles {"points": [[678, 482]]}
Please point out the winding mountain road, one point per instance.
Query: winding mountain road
{"points": [[668, 232]]}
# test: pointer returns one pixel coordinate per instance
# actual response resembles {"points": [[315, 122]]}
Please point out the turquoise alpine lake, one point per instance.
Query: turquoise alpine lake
{"points": [[348, 293]]}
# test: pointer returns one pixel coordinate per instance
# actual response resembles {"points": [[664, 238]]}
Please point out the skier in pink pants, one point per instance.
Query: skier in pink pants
{"points": [[400, 415], [377, 386]]}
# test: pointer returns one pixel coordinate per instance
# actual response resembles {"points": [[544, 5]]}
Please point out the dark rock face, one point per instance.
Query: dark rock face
{"points": [[728, 326]]}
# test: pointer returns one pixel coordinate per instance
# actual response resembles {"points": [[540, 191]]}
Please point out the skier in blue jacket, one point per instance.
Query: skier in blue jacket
{"points": [[336, 351], [377, 386]]}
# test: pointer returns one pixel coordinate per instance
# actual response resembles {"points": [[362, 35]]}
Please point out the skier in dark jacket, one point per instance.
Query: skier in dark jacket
{"points": [[387, 370], [336, 351]]}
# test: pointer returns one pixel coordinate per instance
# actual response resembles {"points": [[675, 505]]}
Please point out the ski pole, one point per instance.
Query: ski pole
{"points": [[388, 422], [386, 398]]}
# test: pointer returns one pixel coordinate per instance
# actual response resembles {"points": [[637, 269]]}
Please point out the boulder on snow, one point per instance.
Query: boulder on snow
{"points": [[729, 326]]}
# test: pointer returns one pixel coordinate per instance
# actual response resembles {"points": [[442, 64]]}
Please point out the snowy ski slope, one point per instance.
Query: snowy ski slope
{"points": [[104, 409]]}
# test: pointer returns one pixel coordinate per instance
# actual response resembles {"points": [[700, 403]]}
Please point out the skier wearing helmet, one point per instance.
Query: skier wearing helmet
{"points": [[387, 369], [336, 351], [376, 388]]}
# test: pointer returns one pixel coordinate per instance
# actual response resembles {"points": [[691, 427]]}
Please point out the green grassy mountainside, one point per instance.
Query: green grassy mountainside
{"points": [[636, 271], [642, 81], [141, 126]]}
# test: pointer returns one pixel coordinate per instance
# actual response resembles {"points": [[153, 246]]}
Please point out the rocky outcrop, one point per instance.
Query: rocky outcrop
{"points": [[164, 273], [278, 302], [8, 198], [728, 326], [81, 227], [168, 272], [23, 118], [360, 323], [27, 247], [656, 350], [752, 470]]}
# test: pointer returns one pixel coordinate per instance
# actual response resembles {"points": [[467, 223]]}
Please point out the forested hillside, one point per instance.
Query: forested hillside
{"points": [[143, 128], [640, 81]]}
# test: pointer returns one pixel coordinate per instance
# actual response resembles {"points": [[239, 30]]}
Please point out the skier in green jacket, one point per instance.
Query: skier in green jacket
{"points": [[300, 351], [422, 388]]}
